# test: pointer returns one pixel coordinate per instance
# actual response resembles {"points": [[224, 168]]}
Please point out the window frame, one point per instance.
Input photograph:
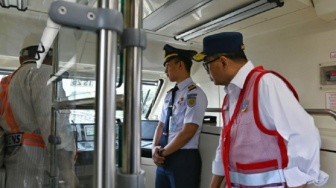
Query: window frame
{"points": [[151, 82]]}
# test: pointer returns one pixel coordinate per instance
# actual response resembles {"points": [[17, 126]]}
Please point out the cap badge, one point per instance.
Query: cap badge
{"points": [[199, 57]]}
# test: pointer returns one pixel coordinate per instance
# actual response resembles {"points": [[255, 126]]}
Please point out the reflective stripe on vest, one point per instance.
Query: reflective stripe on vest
{"points": [[3, 93], [16, 137], [258, 179]]}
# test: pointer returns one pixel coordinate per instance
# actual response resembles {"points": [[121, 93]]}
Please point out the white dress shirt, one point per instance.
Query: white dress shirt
{"points": [[279, 110], [189, 107]]}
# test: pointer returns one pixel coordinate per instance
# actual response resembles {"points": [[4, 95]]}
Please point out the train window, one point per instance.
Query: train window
{"points": [[81, 88], [86, 88], [4, 73], [150, 91]]}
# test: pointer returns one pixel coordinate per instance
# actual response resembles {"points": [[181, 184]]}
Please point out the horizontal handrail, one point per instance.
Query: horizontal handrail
{"points": [[85, 104], [213, 110], [329, 112]]}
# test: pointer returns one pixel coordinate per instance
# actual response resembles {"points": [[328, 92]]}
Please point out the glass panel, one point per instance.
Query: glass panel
{"points": [[69, 130], [150, 6], [64, 165], [77, 63], [77, 57], [85, 150], [27, 162]]}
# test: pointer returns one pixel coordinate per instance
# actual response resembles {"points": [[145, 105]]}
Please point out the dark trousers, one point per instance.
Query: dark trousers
{"points": [[182, 169]]}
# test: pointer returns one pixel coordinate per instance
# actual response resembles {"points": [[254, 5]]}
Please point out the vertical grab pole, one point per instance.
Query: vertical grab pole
{"points": [[105, 158], [130, 174], [131, 134]]}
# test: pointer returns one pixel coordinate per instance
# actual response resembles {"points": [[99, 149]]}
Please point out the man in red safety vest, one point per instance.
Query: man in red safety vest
{"points": [[268, 139]]}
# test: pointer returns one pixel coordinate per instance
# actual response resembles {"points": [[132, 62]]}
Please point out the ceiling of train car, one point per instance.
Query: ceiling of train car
{"points": [[209, 10], [174, 17], [216, 8]]}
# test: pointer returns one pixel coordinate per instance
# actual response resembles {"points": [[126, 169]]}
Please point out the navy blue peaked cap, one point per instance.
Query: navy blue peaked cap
{"points": [[226, 42], [171, 52]]}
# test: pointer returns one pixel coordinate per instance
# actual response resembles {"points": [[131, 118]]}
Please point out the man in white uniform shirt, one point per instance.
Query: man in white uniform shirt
{"points": [[25, 118], [175, 144], [268, 139]]}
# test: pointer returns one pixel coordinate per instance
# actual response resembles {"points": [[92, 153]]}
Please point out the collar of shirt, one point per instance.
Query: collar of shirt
{"points": [[239, 79], [184, 83], [235, 86]]}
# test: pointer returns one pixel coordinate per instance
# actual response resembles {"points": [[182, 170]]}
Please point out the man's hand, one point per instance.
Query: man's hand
{"points": [[216, 181], [158, 160]]}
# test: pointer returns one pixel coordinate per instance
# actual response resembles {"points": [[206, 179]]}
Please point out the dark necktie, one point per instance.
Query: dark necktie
{"points": [[165, 133]]}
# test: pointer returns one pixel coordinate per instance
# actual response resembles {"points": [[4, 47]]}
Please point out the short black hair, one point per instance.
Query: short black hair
{"points": [[187, 62], [236, 56]]}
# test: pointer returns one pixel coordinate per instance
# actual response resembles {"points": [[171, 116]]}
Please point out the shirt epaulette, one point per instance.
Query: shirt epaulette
{"points": [[191, 87]]}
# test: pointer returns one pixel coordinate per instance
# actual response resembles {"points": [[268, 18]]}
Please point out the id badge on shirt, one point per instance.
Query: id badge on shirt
{"points": [[172, 123]]}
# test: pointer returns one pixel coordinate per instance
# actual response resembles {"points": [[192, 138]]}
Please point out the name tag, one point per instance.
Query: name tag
{"points": [[172, 123], [14, 139]]}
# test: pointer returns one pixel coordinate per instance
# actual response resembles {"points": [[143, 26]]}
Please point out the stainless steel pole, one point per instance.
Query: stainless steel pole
{"points": [[132, 112], [105, 158]]}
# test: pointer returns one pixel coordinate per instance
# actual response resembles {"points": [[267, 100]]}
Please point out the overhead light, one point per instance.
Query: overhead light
{"points": [[233, 17], [171, 11]]}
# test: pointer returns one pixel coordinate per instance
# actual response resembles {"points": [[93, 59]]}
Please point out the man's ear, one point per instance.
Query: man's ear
{"points": [[181, 64], [224, 61]]}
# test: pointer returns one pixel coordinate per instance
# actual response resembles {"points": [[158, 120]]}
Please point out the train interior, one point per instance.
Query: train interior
{"points": [[296, 38]]}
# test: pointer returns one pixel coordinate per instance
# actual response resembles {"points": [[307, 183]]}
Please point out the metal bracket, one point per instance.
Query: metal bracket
{"points": [[54, 140], [85, 17], [131, 180], [134, 37]]}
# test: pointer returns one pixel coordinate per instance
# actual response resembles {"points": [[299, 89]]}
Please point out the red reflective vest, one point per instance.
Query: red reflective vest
{"points": [[15, 137], [253, 156]]}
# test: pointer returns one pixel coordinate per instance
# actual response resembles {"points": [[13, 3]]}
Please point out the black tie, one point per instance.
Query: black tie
{"points": [[164, 136]]}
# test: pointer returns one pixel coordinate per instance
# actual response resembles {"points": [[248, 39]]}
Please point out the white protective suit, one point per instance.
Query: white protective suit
{"points": [[28, 165]]}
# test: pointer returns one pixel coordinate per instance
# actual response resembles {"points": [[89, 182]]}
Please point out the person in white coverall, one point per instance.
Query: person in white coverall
{"points": [[25, 123]]}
